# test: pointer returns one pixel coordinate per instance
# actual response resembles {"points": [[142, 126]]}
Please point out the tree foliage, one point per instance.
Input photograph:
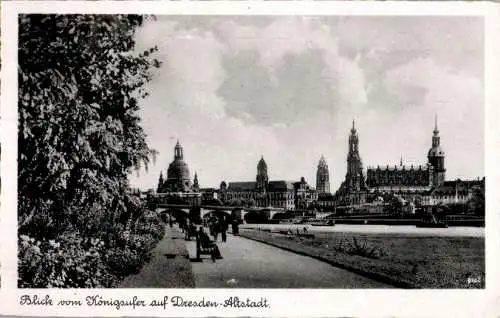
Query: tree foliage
{"points": [[79, 135], [476, 204]]}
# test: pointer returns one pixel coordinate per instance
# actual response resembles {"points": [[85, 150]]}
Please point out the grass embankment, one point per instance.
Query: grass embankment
{"points": [[169, 266], [400, 260]]}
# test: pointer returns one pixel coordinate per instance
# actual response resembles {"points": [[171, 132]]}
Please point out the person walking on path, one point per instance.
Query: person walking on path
{"points": [[216, 230], [223, 232]]}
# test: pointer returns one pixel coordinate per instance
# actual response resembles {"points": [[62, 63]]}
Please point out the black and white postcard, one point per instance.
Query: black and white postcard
{"points": [[249, 159]]}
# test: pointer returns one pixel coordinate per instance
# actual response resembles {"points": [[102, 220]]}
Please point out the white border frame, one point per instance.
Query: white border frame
{"points": [[284, 302]]}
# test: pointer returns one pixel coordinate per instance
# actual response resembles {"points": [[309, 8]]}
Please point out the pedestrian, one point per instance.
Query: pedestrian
{"points": [[223, 232], [216, 230], [235, 228]]}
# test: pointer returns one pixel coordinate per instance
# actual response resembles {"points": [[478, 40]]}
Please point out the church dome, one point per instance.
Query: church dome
{"points": [[436, 151], [178, 169], [178, 177]]}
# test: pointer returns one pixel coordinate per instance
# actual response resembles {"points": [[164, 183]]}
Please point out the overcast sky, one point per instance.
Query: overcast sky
{"points": [[234, 88]]}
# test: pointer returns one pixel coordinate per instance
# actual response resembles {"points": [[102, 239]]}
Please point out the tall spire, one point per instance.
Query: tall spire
{"points": [[401, 161], [196, 186], [436, 130], [353, 129]]}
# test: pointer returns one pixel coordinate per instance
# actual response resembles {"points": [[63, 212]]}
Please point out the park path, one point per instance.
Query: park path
{"points": [[169, 266], [251, 264]]}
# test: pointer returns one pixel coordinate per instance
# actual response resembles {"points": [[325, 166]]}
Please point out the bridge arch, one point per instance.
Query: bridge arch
{"points": [[179, 214], [278, 215]]}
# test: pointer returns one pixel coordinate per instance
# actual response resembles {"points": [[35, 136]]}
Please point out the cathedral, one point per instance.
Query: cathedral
{"points": [[409, 182], [178, 183]]}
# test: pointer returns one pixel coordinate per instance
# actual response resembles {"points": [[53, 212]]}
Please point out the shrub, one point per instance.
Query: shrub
{"points": [[123, 261], [67, 262], [359, 248]]}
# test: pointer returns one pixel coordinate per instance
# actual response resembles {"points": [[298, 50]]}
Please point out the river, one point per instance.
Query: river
{"points": [[459, 231]]}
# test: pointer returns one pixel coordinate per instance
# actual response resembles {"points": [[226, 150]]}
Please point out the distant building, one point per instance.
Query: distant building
{"points": [[353, 189], [322, 177], [412, 183], [325, 202], [177, 188], [264, 193], [304, 195], [455, 192]]}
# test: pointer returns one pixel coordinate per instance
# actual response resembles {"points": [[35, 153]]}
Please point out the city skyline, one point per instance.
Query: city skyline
{"points": [[287, 88]]}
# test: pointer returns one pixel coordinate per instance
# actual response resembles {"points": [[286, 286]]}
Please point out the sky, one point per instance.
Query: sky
{"points": [[234, 88]]}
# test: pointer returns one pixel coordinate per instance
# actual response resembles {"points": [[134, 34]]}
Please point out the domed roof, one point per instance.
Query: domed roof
{"points": [[178, 169], [436, 151]]}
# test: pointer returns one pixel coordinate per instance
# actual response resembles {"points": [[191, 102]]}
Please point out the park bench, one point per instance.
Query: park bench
{"points": [[202, 248], [190, 232]]}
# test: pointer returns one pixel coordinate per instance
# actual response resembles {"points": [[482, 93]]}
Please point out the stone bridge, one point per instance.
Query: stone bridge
{"points": [[197, 213]]}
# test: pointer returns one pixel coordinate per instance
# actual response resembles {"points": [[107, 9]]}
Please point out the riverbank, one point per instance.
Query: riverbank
{"points": [[404, 261]]}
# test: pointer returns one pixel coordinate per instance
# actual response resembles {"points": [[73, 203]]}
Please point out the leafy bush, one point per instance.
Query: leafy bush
{"points": [[68, 262], [122, 262], [359, 248], [73, 261]]}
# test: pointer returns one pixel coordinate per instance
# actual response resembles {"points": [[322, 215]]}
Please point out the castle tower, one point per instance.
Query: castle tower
{"points": [[160, 183], [436, 158], [262, 178], [322, 177], [354, 176], [196, 186]]}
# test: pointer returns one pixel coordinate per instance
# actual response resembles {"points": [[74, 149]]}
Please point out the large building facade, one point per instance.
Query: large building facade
{"points": [[282, 194], [413, 183]]}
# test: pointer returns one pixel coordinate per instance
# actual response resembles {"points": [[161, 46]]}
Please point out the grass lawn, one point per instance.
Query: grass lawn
{"points": [[402, 260]]}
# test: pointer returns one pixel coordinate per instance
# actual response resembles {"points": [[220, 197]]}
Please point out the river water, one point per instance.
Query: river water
{"points": [[459, 231]]}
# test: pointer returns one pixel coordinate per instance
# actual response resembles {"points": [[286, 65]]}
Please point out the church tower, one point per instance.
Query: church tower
{"points": [[262, 178], [436, 158], [196, 186], [322, 177], [354, 176], [160, 183]]}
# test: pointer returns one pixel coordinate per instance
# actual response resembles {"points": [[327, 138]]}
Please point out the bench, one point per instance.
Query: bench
{"points": [[189, 233], [203, 249]]}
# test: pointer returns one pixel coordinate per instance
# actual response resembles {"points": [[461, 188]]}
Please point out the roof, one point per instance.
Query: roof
{"points": [[400, 167], [280, 185], [241, 186], [457, 187], [401, 189]]}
